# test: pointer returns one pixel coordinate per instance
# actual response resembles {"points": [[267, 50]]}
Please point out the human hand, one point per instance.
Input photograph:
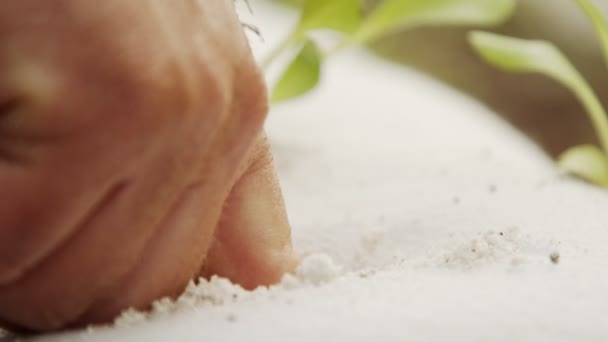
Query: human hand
{"points": [[131, 158]]}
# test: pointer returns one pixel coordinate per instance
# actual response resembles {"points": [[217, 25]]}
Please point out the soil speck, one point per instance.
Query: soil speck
{"points": [[554, 257]]}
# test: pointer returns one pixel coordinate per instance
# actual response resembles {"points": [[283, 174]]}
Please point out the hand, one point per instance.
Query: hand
{"points": [[131, 158]]}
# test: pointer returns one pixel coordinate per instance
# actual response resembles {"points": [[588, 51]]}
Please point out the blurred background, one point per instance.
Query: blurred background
{"points": [[541, 108]]}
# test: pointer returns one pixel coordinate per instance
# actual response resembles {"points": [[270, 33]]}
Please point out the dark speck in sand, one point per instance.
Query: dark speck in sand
{"points": [[554, 257]]}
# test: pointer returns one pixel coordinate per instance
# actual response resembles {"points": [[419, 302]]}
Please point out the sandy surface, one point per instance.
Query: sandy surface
{"points": [[427, 219]]}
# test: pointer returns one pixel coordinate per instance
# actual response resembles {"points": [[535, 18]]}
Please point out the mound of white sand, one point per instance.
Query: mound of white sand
{"points": [[424, 218]]}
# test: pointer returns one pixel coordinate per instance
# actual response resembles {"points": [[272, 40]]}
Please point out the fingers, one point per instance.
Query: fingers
{"points": [[90, 108], [181, 242], [153, 109], [252, 245]]}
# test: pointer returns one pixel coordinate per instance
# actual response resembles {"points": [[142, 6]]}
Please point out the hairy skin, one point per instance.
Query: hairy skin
{"points": [[131, 158]]}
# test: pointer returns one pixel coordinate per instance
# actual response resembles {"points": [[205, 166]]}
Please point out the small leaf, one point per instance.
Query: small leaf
{"points": [[521, 55], [587, 162], [301, 75], [599, 23], [392, 15], [340, 15]]}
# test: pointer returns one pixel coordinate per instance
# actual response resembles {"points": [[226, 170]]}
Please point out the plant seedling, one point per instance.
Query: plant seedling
{"points": [[346, 17], [301, 75], [588, 162]]}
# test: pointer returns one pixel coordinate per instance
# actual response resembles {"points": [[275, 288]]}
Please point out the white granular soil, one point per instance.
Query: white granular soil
{"points": [[315, 269]]}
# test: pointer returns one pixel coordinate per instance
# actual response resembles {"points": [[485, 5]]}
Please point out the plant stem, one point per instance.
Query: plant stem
{"points": [[599, 22], [586, 95], [594, 109], [274, 53], [342, 45]]}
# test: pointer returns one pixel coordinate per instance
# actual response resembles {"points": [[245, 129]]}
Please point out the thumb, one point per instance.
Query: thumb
{"points": [[252, 244]]}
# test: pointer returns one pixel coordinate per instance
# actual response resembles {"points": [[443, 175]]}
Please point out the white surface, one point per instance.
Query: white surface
{"points": [[408, 186]]}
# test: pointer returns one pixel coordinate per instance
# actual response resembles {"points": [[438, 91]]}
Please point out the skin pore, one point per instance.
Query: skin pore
{"points": [[132, 158]]}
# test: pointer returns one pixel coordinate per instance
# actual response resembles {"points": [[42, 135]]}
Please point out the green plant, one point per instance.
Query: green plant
{"points": [[347, 17], [588, 162]]}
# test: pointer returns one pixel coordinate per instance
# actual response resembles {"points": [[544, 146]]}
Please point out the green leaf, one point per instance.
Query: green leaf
{"points": [[587, 162], [392, 15], [340, 15], [521, 55], [599, 23], [301, 75]]}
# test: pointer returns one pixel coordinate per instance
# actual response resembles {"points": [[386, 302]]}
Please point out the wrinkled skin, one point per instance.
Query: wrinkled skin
{"points": [[131, 158]]}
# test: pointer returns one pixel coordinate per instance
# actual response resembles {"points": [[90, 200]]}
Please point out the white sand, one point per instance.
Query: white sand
{"points": [[441, 220]]}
